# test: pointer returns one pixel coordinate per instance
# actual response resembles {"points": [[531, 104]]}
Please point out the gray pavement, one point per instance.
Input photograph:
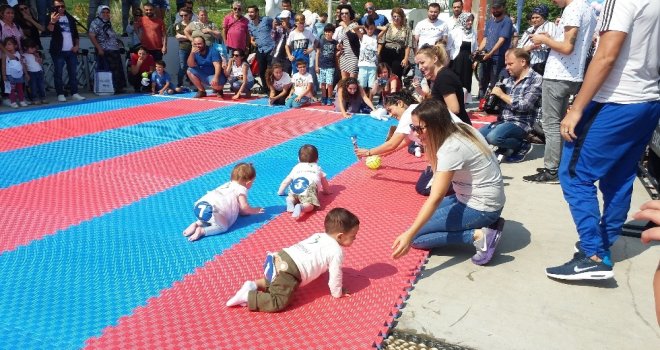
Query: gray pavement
{"points": [[511, 304]]}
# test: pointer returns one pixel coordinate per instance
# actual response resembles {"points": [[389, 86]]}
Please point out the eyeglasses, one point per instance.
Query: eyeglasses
{"points": [[417, 128], [237, 9], [237, 55], [59, 6], [184, 15], [370, 8]]}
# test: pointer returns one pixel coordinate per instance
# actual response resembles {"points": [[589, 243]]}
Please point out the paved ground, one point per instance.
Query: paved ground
{"points": [[511, 304]]}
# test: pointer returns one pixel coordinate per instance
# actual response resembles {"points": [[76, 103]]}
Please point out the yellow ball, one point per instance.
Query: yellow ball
{"points": [[373, 162]]}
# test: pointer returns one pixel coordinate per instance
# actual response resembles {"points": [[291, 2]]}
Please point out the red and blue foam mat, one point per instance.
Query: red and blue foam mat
{"points": [[91, 250]]}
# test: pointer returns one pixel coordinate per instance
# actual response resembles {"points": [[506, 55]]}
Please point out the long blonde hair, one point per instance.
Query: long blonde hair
{"points": [[439, 126]]}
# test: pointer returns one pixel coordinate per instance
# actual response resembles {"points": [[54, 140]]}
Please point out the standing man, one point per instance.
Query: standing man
{"points": [[499, 31], [259, 29], [457, 9], [563, 75], [235, 28], [64, 49], [286, 6], [606, 131], [431, 29], [370, 12], [188, 5], [127, 7], [153, 36]]}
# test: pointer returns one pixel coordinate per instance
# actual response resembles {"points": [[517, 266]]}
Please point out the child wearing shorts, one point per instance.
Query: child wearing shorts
{"points": [[325, 64], [303, 182], [368, 59], [218, 209]]}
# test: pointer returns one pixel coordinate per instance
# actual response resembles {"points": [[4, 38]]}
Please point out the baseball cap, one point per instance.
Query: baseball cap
{"points": [[284, 14]]}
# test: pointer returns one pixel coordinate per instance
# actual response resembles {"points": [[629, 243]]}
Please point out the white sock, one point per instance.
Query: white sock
{"points": [[241, 297]]}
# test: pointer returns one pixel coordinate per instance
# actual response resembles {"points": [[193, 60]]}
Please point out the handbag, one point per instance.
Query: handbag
{"points": [[103, 84]]}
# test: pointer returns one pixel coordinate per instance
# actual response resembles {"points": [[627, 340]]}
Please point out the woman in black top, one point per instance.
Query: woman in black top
{"points": [[445, 84], [30, 26]]}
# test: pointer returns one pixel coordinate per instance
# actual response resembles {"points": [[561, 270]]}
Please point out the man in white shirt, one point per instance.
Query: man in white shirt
{"points": [[430, 30], [563, 75], [606, 131], [457, 9]]}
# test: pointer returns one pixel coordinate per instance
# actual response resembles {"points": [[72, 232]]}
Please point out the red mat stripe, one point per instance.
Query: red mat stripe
{"points": [[59, 129], [70, 197], [192, 313]]}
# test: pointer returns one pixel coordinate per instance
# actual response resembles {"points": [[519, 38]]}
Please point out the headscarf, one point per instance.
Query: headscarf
{"points": [[100, 9], [542, 10], [462, 20]]}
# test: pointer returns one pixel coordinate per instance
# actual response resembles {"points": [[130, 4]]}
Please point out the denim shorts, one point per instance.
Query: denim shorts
{"points": [[326, 76], [367, 77]]}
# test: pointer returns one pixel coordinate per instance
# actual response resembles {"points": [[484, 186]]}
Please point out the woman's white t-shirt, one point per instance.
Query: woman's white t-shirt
{"points": [[284, 81]]}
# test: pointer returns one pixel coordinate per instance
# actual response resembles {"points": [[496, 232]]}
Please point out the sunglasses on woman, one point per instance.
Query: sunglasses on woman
{"points": [[417, 128]]}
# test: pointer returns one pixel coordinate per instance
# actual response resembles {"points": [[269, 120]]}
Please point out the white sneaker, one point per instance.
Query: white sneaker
{"points": [[61, 98], [241, 296], [23, 104], [13, 105], [78, 97]]}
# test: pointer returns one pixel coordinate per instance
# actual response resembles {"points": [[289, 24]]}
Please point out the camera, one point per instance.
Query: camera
{"points": [[382, 81], [478, 56], [492, 105]]}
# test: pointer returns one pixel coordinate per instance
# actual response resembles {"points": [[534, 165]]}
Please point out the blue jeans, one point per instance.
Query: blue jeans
{"points": [[452, 223], [291, 101], [504, 135], [71, 61], [183, 66], [37, 85]]}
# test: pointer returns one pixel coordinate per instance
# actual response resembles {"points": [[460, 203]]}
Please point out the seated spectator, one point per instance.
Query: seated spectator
{"points": [[387, 83], [205, 68], [523, 90], [141, 62], [279, 84], [161, 82], [239, 75], [351, 98], [301, 94]]}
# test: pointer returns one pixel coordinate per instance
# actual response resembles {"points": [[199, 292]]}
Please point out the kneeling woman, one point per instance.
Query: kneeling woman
{"points": [[400, 106], [279, 83], [240, 76], [351, 98], [461, 157]]}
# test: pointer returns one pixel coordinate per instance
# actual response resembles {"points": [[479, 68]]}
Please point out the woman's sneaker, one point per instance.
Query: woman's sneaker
{"points": [[487, 244]]}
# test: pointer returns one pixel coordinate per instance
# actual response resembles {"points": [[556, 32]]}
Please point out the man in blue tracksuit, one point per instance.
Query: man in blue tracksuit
{"points": [[606, 131]]}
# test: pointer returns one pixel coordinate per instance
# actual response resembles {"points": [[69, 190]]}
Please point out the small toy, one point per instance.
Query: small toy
{"points": [[373, 162]]}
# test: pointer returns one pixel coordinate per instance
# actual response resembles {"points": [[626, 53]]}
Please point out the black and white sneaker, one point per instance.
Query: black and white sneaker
{"points": [[581, 268], [544, 177]]}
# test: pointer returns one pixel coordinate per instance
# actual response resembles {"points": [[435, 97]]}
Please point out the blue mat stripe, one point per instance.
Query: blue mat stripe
{"points": [[51, 158], [71, 285], [74, 109]]}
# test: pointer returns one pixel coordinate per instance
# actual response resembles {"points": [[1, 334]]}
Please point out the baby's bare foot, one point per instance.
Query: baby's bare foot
{"points": [[199, 233]]}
